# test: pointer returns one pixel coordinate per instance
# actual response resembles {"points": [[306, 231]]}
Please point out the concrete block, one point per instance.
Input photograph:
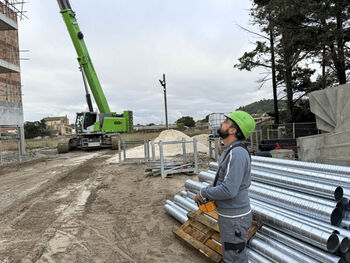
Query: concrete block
{"points": [[336, 150], [337, 137], [309, 147], [345, 161], [320, 106], [283, 154]]}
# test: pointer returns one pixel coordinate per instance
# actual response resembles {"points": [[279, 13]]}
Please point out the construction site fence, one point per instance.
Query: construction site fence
{"points": [[10, 140], [282, 131]]}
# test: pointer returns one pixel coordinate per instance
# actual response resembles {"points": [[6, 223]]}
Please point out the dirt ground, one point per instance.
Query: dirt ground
{"points": [[78, 207]]}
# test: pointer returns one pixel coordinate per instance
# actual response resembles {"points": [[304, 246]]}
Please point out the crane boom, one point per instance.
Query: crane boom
{"points": [[83, 55]]}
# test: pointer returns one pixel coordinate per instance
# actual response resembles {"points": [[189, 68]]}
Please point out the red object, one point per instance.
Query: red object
{"points": [[280, 148]]}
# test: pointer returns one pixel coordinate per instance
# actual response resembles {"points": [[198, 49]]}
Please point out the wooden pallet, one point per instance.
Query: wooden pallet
{"points": [[202, 233]]}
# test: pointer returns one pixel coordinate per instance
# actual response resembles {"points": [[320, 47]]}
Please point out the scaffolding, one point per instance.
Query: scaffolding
{"points": [[15, 7]]}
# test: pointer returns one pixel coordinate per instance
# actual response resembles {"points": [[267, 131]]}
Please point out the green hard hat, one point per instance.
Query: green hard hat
{"points": [[244, 121]]}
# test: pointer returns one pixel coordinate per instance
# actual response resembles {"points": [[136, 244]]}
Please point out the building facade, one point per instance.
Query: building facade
{"points": [[11, 109], [58, 125]]}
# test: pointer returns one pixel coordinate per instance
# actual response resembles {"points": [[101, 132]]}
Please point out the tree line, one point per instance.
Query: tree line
{"points": [[302, 46]]}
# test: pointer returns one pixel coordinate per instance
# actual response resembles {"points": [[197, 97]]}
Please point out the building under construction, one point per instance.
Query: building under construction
{"points": [[11, 109]]}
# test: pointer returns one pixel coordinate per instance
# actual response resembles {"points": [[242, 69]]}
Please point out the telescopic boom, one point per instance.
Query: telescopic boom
{"points": [[83, 55]]}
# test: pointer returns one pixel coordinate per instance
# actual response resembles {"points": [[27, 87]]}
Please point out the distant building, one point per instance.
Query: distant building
{"points": [[58, 125]]}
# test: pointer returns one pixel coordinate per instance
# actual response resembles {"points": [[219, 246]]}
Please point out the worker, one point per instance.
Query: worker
{"points": [[230, 189]]}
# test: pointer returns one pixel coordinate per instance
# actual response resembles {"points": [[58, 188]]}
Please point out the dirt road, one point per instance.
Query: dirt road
{"points": [[78, 207]]}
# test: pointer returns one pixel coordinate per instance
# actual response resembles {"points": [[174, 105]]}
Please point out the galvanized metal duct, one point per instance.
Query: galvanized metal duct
{"points": [[345, 223], [302, 185], [312, 175], [271, 252], [318, 223], [185, 203], [194, 185], [344, 241], [206, 177], [174, 212], [312, 198], [181, 209], [213, 166], [286, 249], [315, 210], [327, 168], [300, 246], [325, 240], [256, 257]]}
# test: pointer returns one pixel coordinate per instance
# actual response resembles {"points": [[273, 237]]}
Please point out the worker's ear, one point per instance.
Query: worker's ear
{"points": [[232, 131]]}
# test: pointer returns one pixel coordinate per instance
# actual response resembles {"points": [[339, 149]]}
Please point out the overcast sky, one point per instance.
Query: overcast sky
{"points": [[132, 43]]}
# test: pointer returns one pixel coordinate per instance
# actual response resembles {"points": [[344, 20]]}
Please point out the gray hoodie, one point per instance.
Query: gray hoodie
{"points": [[231, 191]]}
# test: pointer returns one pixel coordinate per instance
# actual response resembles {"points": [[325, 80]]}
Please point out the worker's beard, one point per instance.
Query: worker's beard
{"points": [[223, 134]]}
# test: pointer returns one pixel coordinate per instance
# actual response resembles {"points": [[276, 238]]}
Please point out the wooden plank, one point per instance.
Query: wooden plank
{"points": [[213, 255], [204, 220], [214, 246]]}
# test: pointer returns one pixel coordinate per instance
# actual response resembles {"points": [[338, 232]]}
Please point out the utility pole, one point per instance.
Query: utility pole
{"points": [[163, 83]]}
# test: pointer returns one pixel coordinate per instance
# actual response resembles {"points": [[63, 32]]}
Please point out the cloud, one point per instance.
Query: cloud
{"points": [[132, 43]]}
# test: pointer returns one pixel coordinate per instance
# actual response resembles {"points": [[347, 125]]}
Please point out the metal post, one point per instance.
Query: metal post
{"points": [[210, 148], [120, 151], [251, 141], [153, 152], [268, 133], [256, 137], [0, 147], [195, 156], [162, 173], [163, 83], [19, 144], [22, 141], [147, 150], [294, 130], [124, 149], [261, 134], [184, 149]]}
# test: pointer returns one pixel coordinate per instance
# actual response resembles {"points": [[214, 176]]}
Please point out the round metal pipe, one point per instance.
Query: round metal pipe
{"points": [[325, 240], [300, 246], [191, 200], [206, 177], [181, 209], [174, 212], [183, 193], [305, 165], [286, 249], [312, 198], [271, 252], [318, 223], [213, 166], [310, 175], [256, 257], [315, 210], [190, 194], [305, 186], [184, 203], [344, 242], [345, 223], [194, 185]]}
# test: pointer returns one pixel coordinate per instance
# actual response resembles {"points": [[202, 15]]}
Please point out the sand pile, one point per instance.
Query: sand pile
{"points": [[171, 149], [203, 139]]}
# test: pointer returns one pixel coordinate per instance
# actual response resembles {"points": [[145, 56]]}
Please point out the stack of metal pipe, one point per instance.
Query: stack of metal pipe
{"points": [[304, 208]]}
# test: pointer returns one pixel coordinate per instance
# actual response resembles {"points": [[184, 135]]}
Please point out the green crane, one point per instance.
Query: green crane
{"points": [[93, 130]]}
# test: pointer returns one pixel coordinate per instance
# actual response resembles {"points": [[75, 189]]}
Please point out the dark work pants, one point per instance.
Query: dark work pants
{"points": [[233, 233]]}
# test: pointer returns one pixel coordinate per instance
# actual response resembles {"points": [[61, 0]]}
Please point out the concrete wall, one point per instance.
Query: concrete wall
{"points": [[309, 147], [11, 114]]}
